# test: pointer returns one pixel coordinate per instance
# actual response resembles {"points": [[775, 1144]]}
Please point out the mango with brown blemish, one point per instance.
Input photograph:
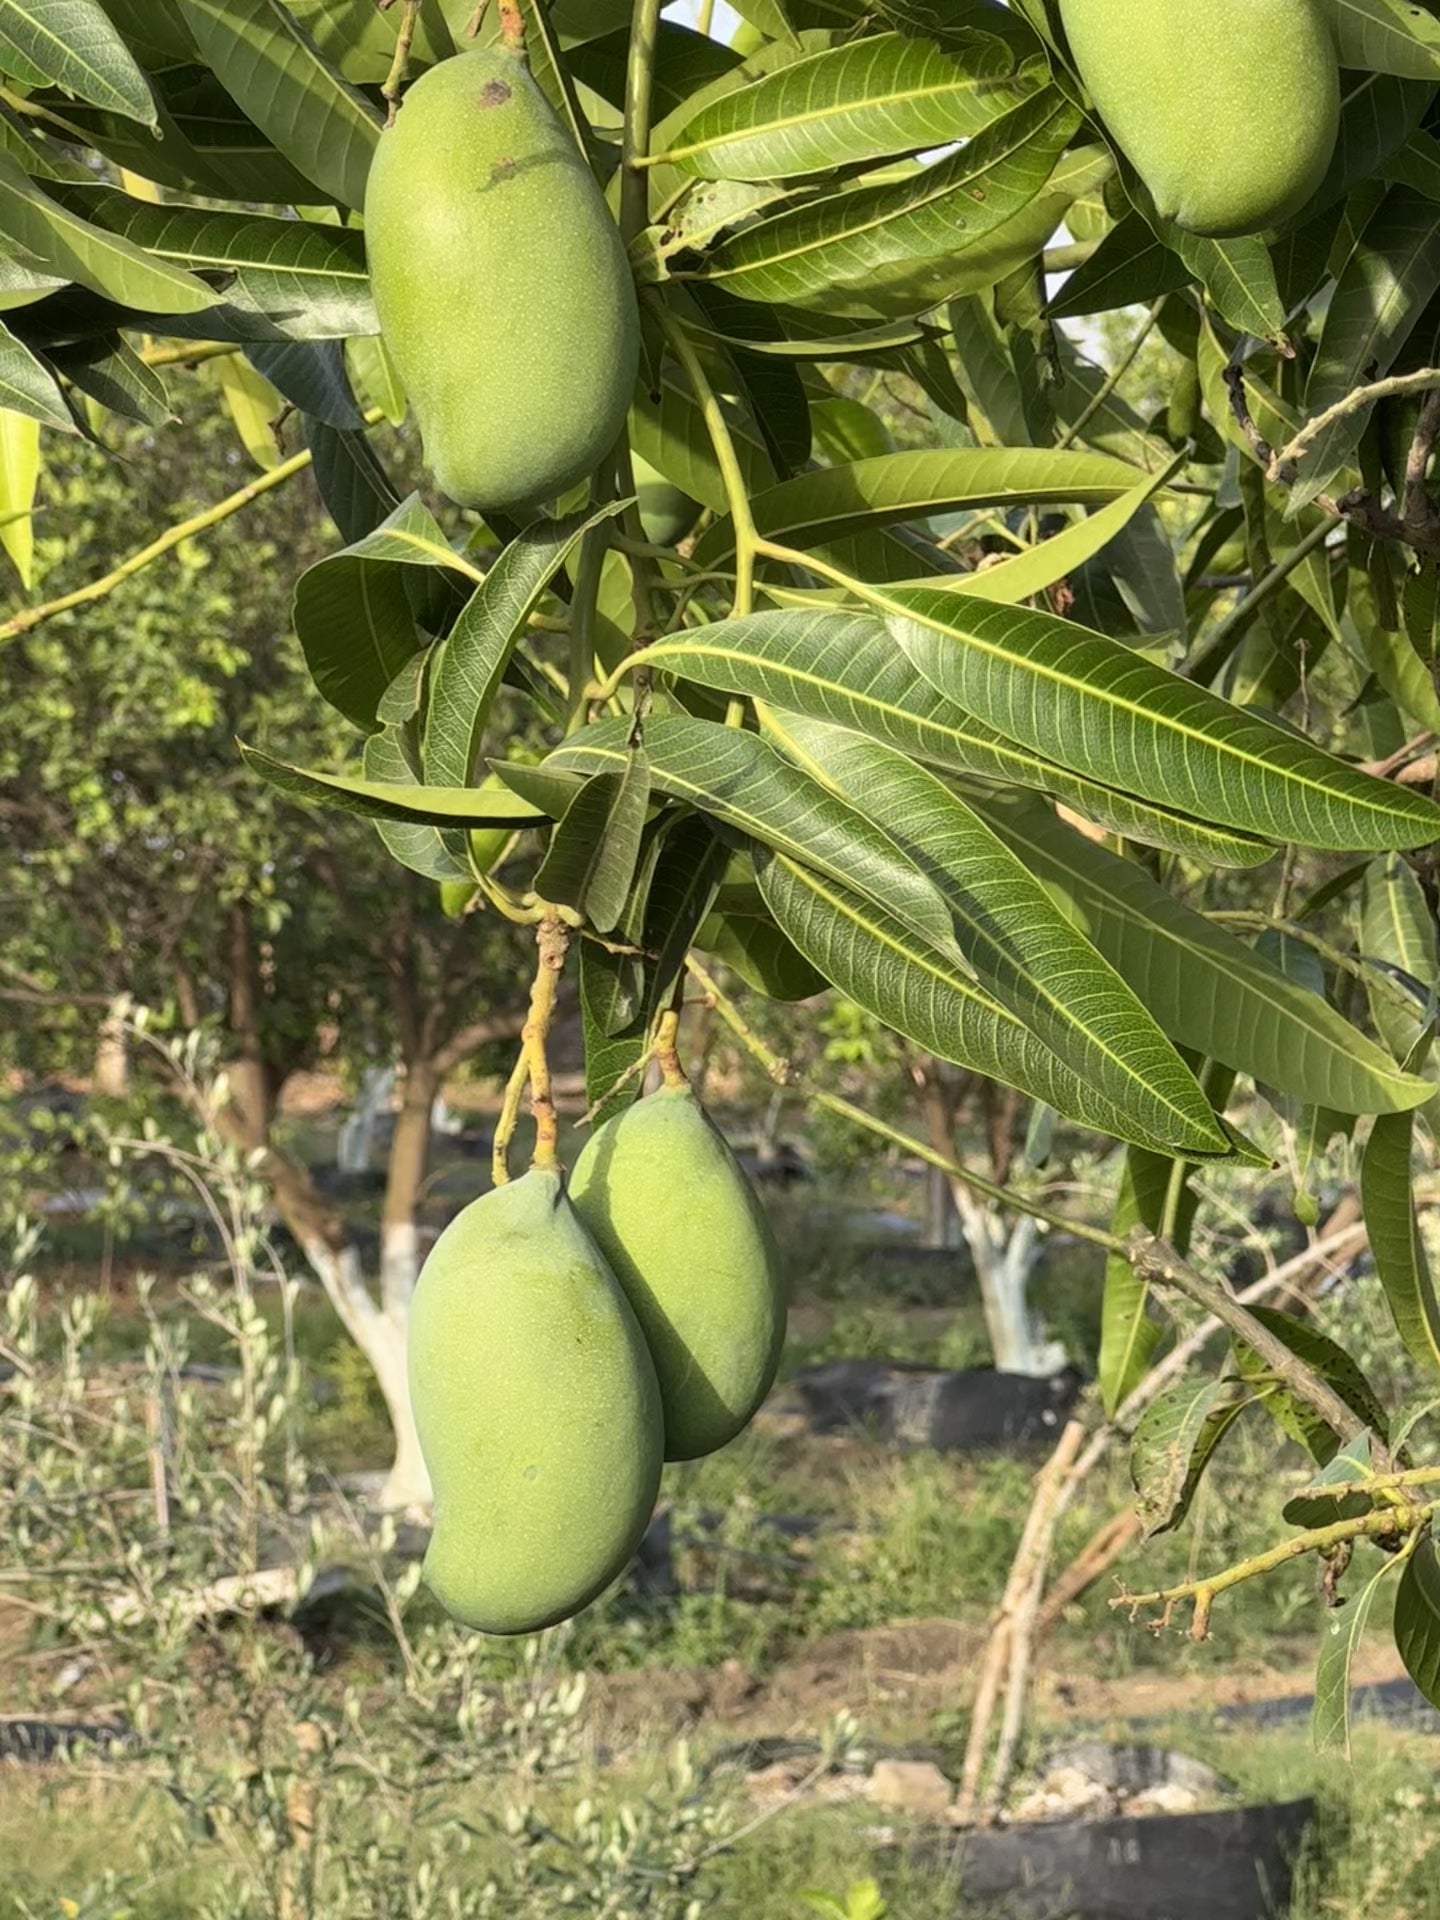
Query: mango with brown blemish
{"points": [[502, 287]]}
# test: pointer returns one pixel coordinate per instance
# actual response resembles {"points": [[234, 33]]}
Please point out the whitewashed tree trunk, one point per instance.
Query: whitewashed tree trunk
{"points": [[355, 1148], [380, 1336], [1006, 1254]]}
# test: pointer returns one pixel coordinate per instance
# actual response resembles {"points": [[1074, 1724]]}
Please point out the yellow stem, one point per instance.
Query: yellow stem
{"points": [[173, 537]]}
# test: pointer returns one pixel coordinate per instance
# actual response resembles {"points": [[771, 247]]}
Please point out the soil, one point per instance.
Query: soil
{"points": [[896, 1678]]}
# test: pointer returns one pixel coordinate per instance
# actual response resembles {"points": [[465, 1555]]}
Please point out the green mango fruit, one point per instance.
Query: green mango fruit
{"points": [[455, 897], [538, 1412], [666, 514], [501, 283], [673, 1213], [1229, 112]]}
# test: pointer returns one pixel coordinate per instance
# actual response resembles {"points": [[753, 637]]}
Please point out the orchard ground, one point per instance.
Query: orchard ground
{"points": [[877, 1608]]}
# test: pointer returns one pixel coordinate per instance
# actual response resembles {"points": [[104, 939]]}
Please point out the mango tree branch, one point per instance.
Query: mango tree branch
{"points": [[1156, 1261], [1392, 1523], [173, 537], [1283, 463]]}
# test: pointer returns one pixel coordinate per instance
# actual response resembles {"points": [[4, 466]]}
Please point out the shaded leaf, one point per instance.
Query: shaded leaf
{"points": [[1174, 1442], [72, 45], [1417, 1619], [1400, 1259], [385, 800]]}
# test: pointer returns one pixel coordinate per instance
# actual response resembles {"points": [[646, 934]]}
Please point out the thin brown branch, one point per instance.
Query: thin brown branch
{"points": [[1161, 1265]]}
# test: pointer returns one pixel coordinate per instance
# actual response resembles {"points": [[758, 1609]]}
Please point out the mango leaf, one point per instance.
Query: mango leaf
{"points": [[594, 849], [312, 279], [668, 430], [1417, 1619], [352, 482], [819, 254], [1401, 1262], [751, 945], [470, 663], [689, 861], [1238, 277], [1344, 1630], [1096, 705], [847, 668], [1386, 36], [1130, 265], [63, 244], [19, 476], [1208, 990], [391, 757], [1397, 937], [107, 369], [71, 44], [883, 965], [277, 74], [1392, 273], [355, 612], [742, 781], [27, 387], [878, 96], [1129, 1333], [1052, 560], [1174, 1442], [1338, 1501], [1022, 949], [1323, 1356], [839, 501], [385, 800]]}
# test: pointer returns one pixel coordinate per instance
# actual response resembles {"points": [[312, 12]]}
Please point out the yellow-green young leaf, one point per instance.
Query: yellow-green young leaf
{"points": [[19, 475], [883, 95], [1098, 707], [1386, 1189], [277, 74], [72, 45], [1209, 991], [1023, 950], [847, 668], [382, 800], [1417, 1619], [892, 487], [252, 404]]}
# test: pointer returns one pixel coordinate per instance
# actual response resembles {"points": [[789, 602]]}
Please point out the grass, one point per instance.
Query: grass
{"points": [[901, 1538]]}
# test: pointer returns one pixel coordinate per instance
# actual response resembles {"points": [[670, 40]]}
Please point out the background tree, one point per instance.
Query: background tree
{"points": [[1088, 746]]}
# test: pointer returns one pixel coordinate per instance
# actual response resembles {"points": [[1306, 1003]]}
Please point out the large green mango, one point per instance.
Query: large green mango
{"points": [[675, 1216], [538, 1412], [1228, 111], [501, 283]]}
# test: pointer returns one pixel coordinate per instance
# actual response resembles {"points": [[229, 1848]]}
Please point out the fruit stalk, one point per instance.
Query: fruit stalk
{"points": [[552, 938], [666, 1051], [512, 25], [400, 65]]}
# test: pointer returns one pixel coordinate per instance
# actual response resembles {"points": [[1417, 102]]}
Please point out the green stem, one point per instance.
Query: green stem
{"points": [[1098, 399], [635, 140], [593, 548], [737, 497], [1223, 639]]}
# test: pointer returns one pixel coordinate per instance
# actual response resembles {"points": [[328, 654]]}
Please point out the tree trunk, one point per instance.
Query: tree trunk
{"points": [[1004, 1263], [111, 1077]]}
